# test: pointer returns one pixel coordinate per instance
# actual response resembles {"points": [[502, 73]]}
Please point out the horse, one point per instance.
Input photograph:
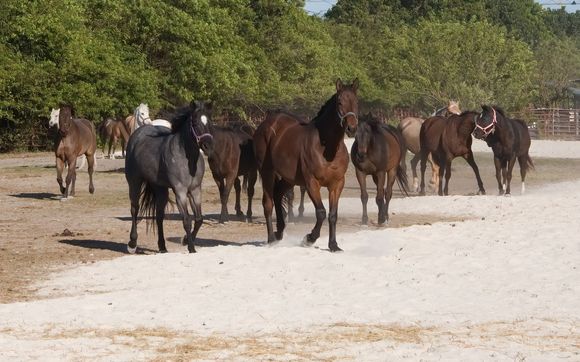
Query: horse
{"points": [[446, 138], [410, 128], [378, 150], [291, 152], [233, 156], [509, 139], [159, 158], [76, 136], [111, 131], [53, 122]]}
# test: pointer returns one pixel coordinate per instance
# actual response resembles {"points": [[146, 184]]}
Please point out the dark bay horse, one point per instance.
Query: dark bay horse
{"points": [[76, 136], [233, 156], [410, 127], [509, 139], [446, 138], [377, 150], [290, 152], [159, 158], [112, 131]]}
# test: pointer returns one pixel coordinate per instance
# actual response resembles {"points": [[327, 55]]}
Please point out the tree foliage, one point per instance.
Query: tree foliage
{"points": [[107, 56]]}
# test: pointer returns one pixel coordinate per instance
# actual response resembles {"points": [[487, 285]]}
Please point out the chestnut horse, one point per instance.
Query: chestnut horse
{"points": [[509, 139], [291, 152], [446, 138], [113, 131], [233, 156], [76, 136], [378, 150]]}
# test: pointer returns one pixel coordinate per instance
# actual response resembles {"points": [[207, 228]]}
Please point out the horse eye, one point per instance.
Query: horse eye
{"points": [[204, 120]]}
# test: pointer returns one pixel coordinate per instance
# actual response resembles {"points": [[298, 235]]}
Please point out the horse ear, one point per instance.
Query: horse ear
{"points": [[339, 84], [355, 84], [485, 107], [209, 106]]}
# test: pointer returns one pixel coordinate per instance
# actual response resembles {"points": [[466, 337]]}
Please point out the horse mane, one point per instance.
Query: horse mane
{"points": [[324, 107], [179, 117]]}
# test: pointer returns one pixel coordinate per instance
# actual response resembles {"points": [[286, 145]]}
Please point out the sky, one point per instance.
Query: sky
{"points": [[319, 7]]}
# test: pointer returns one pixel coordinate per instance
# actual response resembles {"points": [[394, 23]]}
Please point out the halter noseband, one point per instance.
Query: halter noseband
{"points": [[490, 128], [138, 117], [343, 117], [198, 138]]}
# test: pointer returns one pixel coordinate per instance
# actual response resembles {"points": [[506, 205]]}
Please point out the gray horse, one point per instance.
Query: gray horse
{"points": [[160, 158], [410, 128]]}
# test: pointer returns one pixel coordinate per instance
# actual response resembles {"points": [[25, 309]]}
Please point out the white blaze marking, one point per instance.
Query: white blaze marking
{"points": [[204, 120]]}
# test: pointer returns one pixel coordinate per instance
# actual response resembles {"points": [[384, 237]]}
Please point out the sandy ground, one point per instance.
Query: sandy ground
{"points": [[40, 235]]}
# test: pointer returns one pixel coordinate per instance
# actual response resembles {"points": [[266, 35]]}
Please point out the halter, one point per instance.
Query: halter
{"points": [[137, 116], [198, 138], [490, 128], [343, 117]]}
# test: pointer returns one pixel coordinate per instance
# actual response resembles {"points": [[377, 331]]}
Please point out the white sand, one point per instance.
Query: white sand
{"points": [[502, 285]]}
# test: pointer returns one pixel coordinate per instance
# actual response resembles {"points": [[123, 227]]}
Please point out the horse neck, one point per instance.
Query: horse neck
{"points": [[184, 139], [330, 131]]}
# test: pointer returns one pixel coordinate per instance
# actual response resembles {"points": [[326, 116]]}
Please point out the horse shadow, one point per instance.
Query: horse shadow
{"points": [[37, 195], [114, 170], [211, 243], [105, 245]]}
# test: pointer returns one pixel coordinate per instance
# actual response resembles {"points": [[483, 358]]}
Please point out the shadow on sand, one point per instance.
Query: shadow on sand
{"points": [[37, 195], [105, 245]]}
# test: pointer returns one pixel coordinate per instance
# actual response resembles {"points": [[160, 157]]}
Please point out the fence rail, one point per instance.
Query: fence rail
{"points": [[554, 123]]}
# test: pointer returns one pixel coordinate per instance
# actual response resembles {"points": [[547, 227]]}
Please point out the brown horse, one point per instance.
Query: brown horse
{"points": [[509, 139], [410, 127], [290, 152], [446, 138], [233, 156], [113, 131], [378, 150], [76, 137]]}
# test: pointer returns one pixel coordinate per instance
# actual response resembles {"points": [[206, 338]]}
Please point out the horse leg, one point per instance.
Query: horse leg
{"points": [[59, 169], [195, 202], [471, 161], [313, 189], [238, 190], [414, 161], [301, 206], [290, 204], [71, 176], [252, 177], [423, 167], [434, 182], [111, 142], [333, 197], [91, 169], [222, 189], [497, 163], [379, 179], [225, 216], [281, 187], [364, 195], [448, 162], [510, 168], [442, 167], [181, 198], [161, 199], [268, 203], [523, 162], [391, 177], [134, 193]]}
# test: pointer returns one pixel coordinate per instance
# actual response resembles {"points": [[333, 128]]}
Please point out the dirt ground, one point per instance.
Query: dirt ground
{"points": [[40, 234]]}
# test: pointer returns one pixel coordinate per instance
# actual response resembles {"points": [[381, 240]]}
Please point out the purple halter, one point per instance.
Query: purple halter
{"points": [[198, 138]]}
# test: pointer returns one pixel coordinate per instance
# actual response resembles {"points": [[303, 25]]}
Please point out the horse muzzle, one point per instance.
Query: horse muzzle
{"points": [[206, 145], [350, 130]]}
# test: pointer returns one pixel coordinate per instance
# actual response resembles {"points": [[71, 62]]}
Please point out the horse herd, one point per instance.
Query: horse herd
{"points": [[285, 151]]}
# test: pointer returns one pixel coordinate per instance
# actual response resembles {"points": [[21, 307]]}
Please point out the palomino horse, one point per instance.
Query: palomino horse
{"points": [[446, 138], [158, 159], [290, 152], [410, 127], [233, 156], [509, 139], [76, 136], [111, 131], [377, 150], [53, 122]]}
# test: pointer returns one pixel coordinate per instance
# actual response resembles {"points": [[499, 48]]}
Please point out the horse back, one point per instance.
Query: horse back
{"points": [[521, 136], [410, 128], [431, 133]]}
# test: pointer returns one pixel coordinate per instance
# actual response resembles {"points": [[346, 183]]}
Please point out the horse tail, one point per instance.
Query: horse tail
{"points": [[528, 164], [402, 180], [147, 208]]}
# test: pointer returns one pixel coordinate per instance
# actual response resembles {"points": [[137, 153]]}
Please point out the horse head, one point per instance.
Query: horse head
{"points": [[453, 107], [65, 117], [485, 123], [364, 134], [53, 121], [141, 115], [200, 119], [347, 105]]}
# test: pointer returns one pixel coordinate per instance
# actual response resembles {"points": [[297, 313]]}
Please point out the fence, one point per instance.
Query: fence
{"points": [[554, 123]]}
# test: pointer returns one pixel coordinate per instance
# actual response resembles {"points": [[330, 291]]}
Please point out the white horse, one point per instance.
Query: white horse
{"points": [[53, 122], [141, 117]]}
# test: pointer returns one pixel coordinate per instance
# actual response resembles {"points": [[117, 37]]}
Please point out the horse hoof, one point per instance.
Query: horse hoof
{"points": [[279, 235], [131, 250], [192, 250], [508, 195], [184, 240], [335, 249], [162, 251], [92, 190], [307, 243]]}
